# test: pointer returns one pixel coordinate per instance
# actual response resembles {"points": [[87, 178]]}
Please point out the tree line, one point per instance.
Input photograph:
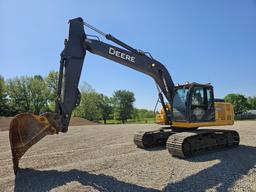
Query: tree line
{"points": [[37, 95], [241, 103]]}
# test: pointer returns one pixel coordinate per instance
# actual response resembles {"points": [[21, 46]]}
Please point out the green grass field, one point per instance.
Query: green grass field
{"points": [[131, 121]]}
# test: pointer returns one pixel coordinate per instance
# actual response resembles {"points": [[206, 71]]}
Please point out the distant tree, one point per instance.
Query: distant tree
{"points": [[123, 104], [105, 107], [238, 101], [19, 93], [142, 114], [88, 107], [4, 109], [51, 81], [135, 114], [28, 94], [252, 102], [39, 93]]}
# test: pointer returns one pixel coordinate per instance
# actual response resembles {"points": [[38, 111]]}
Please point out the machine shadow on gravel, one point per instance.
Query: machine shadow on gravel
{"points": [[159, 148], [233, 165], [35, 180]]}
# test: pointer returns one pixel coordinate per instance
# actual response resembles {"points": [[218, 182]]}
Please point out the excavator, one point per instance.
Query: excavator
{"points": [[188, 106]]}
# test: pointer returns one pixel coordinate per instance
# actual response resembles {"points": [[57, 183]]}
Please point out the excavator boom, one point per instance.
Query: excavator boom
{"points": [[27, 129]]}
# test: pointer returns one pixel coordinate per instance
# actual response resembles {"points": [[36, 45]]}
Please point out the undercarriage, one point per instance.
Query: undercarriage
{"points": [[187, 143]]}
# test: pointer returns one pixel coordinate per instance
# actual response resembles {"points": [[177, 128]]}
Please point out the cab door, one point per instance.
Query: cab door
{"points": [[201, 108]]}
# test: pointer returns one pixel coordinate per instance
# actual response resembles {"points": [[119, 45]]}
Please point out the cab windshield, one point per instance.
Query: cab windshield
{"points": [[179, 104]]}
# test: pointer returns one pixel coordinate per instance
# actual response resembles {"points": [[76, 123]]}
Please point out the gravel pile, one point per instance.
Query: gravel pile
{"points": [[75, 121]]}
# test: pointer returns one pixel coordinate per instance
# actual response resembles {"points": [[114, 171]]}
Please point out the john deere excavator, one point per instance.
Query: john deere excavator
{"points": [[188, 106]]}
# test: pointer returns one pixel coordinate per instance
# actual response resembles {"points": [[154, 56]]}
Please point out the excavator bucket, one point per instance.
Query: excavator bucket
{"points": [[25, 130]]}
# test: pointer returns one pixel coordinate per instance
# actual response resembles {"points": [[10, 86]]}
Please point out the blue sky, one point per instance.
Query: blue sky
{"points": [[201, 40]]}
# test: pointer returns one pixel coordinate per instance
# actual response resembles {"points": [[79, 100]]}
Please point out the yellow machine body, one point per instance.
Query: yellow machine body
{"points": [[224, 115]]}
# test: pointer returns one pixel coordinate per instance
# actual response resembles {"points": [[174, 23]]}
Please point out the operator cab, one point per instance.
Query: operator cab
{"points": [[194, 102]]}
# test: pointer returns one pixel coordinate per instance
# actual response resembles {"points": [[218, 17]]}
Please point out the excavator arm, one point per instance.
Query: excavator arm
{"points": [[27, 129]]}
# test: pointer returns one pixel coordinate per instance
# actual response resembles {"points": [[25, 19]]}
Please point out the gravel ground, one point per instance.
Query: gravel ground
{"points": [[104, 158]]}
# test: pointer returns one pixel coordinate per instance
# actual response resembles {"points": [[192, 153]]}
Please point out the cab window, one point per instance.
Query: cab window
{"points": [[198, 98], [209, 97], [179, 104]]}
